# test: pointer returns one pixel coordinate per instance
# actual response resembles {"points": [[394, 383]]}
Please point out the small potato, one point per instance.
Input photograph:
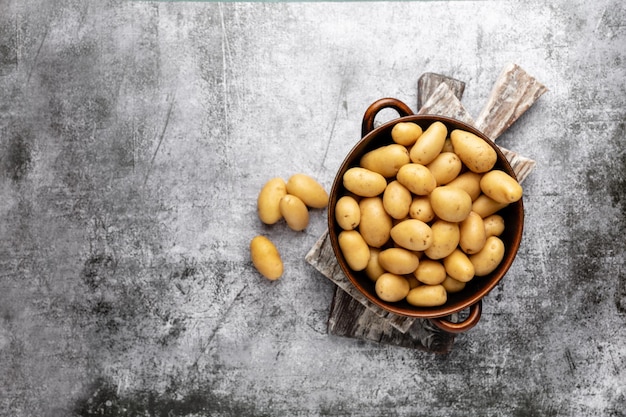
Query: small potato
{"points": [[469, 182], [421, 209], [412, 234], [427, 296], [265, 258], [376, 224], [268, 201], [475, 153], [391, 287], [363, 182], [445, 239], [429, 144], [494, 225], [397, 200], [489, 257], [386, 160], [458, 266], [295, 212], [450, 203], [447, 146], [307, 189], [417, 178], [354, 249], [430, 272], [347, 213], [452, 285], [473, 235], [373, 270], [485, 206], [398, 261], [501, 187], [413, 282], [406, 133], [445, 167]]}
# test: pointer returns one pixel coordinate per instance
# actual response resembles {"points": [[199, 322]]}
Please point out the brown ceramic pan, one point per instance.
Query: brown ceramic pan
{"points": [[472, 295]]}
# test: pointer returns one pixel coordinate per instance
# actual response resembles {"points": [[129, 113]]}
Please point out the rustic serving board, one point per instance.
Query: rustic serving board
{"points": [[351, 313]]}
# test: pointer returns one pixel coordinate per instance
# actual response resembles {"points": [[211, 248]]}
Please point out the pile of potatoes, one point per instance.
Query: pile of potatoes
{"points": [[420, 216], [291, 201]]}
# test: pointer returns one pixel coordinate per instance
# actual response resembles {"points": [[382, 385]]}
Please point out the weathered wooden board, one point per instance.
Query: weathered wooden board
{"points": [[429, 82]]}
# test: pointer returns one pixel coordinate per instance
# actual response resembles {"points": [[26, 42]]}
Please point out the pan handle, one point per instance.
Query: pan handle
{"points": [[468, 323], [368, 118]]}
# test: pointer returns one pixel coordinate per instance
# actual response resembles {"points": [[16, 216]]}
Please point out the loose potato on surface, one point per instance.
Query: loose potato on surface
{"points": [[295, 212], [268, 200], [308, 190], [266, 258]]}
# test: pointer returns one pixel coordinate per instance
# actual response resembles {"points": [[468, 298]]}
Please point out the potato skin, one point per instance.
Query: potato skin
{"points": [[266, 258], [307, 189], [406, 133], [295, 212], [469, 182], [427, 296], [445, 239], [412, 234], [363, 182], [445, 167], [430, 272], [489, 257], [386, 160], [268, 200], [392, 287], [347, 213], [417, 178], [429, 144], [494, 225], [475, 153], [452, 285], [421, 209], [501, 187], [373, 270], [397, 200], [398, 261], [473, 234], [485, 206], [376, 224], [459, 266], [450, 203], [354, 249]]}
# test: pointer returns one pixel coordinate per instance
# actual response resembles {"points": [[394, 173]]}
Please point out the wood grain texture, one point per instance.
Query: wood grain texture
{"points": [[429, 82]]}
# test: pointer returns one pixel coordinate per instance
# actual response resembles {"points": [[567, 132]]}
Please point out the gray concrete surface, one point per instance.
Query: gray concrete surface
{"points": [[134, 137]]}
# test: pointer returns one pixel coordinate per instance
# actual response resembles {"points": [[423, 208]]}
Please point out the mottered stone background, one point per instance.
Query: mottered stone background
{"points": [[135, 136]]}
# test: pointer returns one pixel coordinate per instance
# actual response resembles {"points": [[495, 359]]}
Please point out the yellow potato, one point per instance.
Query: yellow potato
{"points": [[373, 269], [430, 272], [307, 189], [445, 239], [391, 287], [501, 187], [447, 146], [489, 257], [347, 213], [386, 160], [445, 167], [469, 182], [398, 261], [427, 296], [412, 234], [475, 153], [376, 224], [452, 285], [354, 249], [421, 209], [417, 178], [265, 258], [406, 133], [429, 144], [268, 201], [363, 182], [485, 206], [413, 282], [295, 212], [494, 225], [450, 203], [459, 266], [397, 200], [473, 235]]}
